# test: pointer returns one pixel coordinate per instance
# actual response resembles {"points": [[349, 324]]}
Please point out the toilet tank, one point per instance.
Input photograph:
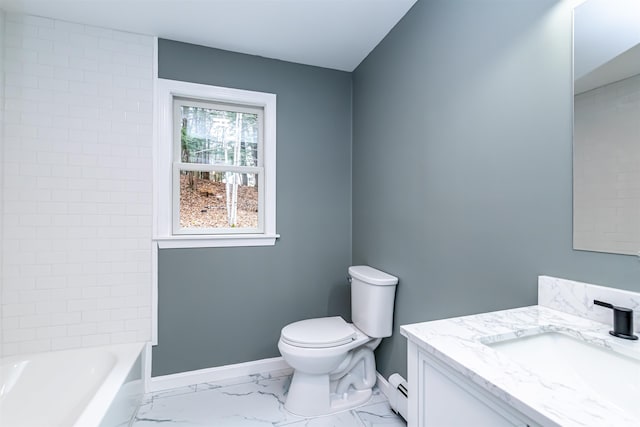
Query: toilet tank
{"points": [[372, 297]]}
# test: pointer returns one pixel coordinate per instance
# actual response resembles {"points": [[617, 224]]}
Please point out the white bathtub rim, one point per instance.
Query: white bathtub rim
{"points": [[127, 354]]}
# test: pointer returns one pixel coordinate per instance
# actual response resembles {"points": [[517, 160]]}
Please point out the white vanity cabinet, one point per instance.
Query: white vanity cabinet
{"points": [[439, 396], [462, 371]]}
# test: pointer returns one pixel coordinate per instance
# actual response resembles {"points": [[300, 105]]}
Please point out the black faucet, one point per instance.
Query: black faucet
{"points": [[622, 321]]}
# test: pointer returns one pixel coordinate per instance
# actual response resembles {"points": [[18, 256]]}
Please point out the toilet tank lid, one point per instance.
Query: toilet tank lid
{"points": [[371, 275]]}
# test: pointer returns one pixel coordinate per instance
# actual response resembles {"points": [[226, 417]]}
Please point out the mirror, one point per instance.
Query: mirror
{"points": [[606, 127]]}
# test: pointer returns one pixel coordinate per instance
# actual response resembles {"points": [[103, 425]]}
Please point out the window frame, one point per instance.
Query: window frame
{"points": [[179, 166], [166, 166]]}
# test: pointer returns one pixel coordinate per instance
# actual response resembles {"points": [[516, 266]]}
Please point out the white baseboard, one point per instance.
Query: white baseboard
{"points": [[218, 373]]}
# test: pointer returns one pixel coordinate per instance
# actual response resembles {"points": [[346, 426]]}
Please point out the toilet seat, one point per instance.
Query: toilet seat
{"points": [[323, 332]]}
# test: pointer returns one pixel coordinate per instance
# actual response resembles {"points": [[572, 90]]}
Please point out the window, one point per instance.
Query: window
{"points": [[215, 166]]}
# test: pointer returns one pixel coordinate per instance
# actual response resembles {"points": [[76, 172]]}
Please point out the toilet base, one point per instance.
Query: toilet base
{"points": [[352, 400], [309, 397]]}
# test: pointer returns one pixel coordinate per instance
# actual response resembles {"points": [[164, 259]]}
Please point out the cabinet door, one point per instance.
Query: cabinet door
{"points": [[449, 400]]}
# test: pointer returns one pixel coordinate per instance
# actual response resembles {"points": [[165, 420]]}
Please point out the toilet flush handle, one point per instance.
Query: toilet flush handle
{"points": [[349, 279]]}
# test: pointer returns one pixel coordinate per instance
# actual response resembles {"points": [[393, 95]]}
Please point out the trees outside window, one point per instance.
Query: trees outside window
{"points": [[220, 166]]}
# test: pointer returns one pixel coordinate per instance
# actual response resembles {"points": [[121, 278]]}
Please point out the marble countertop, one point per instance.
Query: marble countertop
{"points": [[460, 343]]}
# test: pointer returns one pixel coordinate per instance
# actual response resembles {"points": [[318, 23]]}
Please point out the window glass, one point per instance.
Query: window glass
{"points": [[217, 136], [218, 200], [217, 167]]}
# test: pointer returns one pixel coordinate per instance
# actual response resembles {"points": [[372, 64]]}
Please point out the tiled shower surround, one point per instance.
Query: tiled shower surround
{"points": [[76, 185]]}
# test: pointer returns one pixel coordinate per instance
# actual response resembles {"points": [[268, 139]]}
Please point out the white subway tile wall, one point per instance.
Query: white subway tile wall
{"points": [[77, 185], [607, 168]]}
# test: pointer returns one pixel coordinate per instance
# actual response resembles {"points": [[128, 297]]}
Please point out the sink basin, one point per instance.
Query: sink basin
{"points": [[561, 358]]}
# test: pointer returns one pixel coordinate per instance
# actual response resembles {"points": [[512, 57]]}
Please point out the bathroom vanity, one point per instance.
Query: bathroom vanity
{"points": [[553, 364]]}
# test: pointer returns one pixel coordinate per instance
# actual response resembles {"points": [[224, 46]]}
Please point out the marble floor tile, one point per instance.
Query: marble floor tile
{"points": [[342, 419], [255, 401], [379, 414]]}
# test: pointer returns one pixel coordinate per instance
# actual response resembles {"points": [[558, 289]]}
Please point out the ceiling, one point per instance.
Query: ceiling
{"points": [[336, 34], [619, 68], [603, 32]]}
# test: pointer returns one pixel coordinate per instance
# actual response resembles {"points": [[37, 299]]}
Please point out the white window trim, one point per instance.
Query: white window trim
{"points": [[166, 90]]}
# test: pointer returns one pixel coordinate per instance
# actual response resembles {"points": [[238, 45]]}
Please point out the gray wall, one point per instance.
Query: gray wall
{"points": [[461, 183], [227, 305], [462, 162]]}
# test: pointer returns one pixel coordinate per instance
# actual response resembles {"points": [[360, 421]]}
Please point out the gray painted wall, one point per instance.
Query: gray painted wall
{"points": [[462, 162], [461, 183], [224, 306]]}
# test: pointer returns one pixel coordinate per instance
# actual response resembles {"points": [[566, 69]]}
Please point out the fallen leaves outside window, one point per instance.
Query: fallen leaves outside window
{"points": [[204, 205]]}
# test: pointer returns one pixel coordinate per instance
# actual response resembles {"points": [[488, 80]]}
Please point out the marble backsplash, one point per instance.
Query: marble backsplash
{"points": [[576, 298]]}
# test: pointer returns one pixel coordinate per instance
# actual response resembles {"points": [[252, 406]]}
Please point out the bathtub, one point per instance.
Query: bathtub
{"points": [[88, 387]]}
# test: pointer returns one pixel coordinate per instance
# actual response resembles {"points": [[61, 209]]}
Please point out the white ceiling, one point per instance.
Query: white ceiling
{"points": [[336, 34], [603, 31], [619, 68]]}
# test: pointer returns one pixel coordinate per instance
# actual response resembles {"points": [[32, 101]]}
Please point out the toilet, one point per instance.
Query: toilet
{"points": [[333, 363]]}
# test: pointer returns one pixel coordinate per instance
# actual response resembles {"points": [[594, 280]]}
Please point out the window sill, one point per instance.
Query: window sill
{"points": [[227, 241]]}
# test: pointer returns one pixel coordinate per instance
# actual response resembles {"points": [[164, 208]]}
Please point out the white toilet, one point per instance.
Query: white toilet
{"points": [[333, 362]]}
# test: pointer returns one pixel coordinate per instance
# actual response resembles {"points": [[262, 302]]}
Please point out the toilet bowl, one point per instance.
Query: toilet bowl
{"points": [[322, 360], [333, 361]]}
